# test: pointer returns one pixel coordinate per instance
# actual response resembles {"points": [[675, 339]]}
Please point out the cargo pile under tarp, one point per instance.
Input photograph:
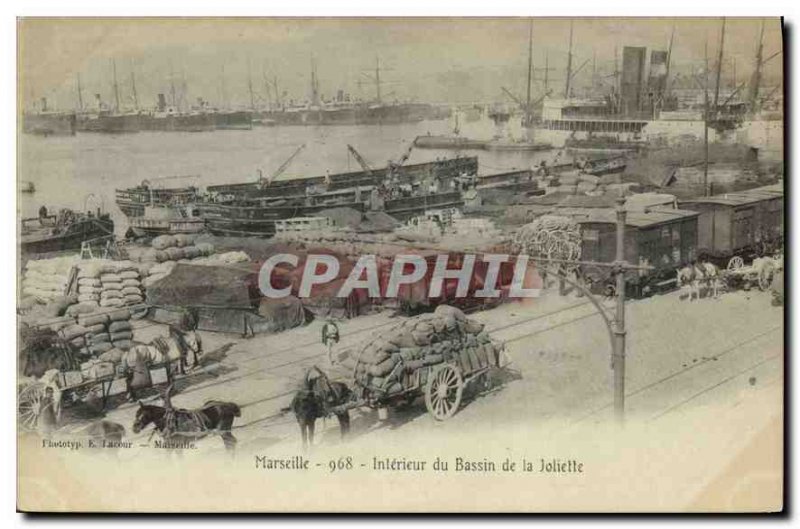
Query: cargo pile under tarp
{"points": [[219, 299]]}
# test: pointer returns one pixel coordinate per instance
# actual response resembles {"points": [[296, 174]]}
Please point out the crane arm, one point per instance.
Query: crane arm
{"points": [[360, 159], [512, 96], [284, 165]]}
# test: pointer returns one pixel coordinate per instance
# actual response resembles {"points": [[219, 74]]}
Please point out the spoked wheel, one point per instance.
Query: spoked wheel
{"points": [[31, 401], [735, 263], [443, 392]]}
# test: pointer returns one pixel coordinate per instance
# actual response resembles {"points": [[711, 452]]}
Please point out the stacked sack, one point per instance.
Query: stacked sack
{"points": [[120, 330], [46, 279], [100, 332], [385, 362], [158, 272], [109, 284]]}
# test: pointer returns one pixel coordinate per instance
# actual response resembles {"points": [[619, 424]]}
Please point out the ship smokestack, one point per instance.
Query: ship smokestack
{"points": [[162, 103], [44, 104]]}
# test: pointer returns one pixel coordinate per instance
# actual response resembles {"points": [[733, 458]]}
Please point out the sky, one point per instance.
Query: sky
{"points": [[430, 59]]}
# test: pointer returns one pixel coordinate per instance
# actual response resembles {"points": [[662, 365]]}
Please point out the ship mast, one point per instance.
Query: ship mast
{"points": [[223, 92], [314, 83], [530, 72], [378, 78], [705, 121], [133, 89], [719, 66], [250, 86], [669, 62], [755, 81], [116, 86], [267, 97], [172, 84], [569, 62], [80, 94]]}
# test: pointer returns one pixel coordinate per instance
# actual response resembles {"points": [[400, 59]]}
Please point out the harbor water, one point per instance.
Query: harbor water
{"points": [[82, 171]]}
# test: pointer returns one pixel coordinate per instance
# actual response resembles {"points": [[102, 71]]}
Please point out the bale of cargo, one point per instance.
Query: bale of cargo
{"points": [[101, 337], [121, 336], [110, 294], [95, 329], [113, 355], [206, 248], [73, 331], [131, 283], [119, 315], [117, 326], [123, 345], [162, 242], [175, 254], [184, 239], [100, 348], [112, 302], [133, 299]]}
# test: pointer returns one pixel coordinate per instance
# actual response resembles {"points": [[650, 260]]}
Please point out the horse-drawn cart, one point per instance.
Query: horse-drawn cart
{"points": [[435, 356], [35, 396], [760, 272], [58, 387]]}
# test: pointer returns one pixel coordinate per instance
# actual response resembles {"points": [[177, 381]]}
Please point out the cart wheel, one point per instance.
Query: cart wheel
{"points": [[443, 392], [31, 402], [735, 263], [765, 276]]}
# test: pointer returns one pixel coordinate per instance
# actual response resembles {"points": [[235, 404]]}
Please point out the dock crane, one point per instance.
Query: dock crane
{"points": [[360, 159], [264, 182]]}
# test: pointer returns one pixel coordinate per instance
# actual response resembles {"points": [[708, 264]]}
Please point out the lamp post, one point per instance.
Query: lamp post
{"points": [[618, 353]]}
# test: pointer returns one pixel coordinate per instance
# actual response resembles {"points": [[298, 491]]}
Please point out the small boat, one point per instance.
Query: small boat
{"points": [[27, 187], [67, 230], [448, 142], [165, 219], [516, 146]]}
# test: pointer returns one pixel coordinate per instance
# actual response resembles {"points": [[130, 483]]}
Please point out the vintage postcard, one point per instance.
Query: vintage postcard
{"points": [[400, 265]]}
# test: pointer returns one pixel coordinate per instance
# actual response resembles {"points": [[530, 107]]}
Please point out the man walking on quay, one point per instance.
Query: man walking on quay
{"points": [[330, 336]]}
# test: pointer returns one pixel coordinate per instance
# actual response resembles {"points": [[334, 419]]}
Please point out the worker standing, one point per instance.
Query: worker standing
{"points": [[330, 337]]}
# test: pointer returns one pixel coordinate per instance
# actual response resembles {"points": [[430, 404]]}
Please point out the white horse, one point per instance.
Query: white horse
{"points": [[689, 276], [711, 277], [175, 347]]}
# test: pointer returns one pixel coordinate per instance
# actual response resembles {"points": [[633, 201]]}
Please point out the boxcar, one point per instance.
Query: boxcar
{"points": [[662, 238], [746, 223]]}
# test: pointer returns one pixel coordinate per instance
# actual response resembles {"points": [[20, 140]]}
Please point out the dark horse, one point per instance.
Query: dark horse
{"points": [[315, 400], [178, 426]]}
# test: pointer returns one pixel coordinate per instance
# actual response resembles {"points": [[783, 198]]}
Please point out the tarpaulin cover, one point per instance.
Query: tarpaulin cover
{"points": [[204, 286], [281, 314]]}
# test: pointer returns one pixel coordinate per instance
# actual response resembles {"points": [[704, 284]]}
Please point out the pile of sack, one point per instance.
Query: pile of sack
{"points": [[175, 248], [385, 362], [100, 331], [109, 284], [46, 279]]}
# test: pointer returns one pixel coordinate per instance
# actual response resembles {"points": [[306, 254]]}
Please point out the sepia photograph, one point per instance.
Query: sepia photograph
{"points": [[400, 264]]}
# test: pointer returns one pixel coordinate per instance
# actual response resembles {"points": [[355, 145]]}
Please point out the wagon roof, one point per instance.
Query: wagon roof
{"points": [[740, 198], [637, 219]]}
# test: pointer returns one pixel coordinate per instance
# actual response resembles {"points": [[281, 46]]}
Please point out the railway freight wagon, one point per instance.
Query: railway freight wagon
{"points": [[665, 239], [746, 223]]}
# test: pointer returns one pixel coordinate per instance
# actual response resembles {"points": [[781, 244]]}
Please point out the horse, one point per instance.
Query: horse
{"points": [[690, 276], [315, 400], [179, 426], [176, 346], [710, 276]]}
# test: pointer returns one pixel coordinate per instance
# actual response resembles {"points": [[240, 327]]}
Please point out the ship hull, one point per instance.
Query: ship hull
{"points": [[49, 124], [72, 239]]}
